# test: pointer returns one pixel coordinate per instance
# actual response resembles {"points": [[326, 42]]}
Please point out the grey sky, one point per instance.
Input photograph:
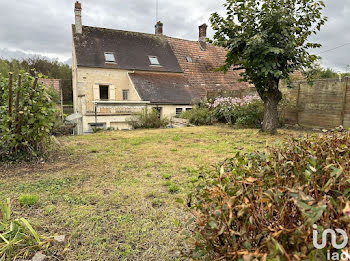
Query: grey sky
{"points": [[44, 26]]}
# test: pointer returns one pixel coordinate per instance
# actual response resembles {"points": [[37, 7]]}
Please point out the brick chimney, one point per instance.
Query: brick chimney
{"points": [[159, 28], [202, 36], [78, 23]]}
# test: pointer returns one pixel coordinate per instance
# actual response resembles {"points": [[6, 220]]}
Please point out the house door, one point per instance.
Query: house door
{"points": [[159, 111]]}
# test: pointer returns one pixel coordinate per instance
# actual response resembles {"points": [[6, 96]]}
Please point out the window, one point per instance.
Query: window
{"points": [[109, 58], [104, 92], [188, 109], [96, 126], [178, 111], [189, 59], [153, 60], [125, 95]]}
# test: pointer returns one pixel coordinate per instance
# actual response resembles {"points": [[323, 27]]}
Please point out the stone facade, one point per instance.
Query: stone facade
{"points": [[115, 112]]}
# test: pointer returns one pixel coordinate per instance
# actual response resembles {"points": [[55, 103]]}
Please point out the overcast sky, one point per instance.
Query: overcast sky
{"points": [[44, 26]]}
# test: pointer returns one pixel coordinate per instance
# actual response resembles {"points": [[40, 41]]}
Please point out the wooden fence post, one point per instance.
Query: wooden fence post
{"points": [[297, 102], [18, 93], [35, 84], [342, 116], [18, 113]]}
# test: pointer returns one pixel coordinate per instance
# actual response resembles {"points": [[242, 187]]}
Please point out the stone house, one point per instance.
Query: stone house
{"points": [[118, 73]]}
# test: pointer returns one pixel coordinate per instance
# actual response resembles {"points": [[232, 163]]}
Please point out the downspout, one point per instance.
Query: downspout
{"points": [[96, 113]]}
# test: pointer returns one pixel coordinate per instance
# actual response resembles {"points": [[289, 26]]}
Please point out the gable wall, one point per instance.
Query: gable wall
{"points": [[89, 79]]}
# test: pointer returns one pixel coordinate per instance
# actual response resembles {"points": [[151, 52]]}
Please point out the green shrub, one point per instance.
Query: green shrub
{"points": [[28, 200], [264, 205], [246, 112], [199, 115], [250, 115], [18, 239], [63, 128], [148, 119], [27, 115]]}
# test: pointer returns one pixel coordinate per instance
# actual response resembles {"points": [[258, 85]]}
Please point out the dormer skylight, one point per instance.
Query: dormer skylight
{"points": [[153, 60], [109, 57], [189, 59]]}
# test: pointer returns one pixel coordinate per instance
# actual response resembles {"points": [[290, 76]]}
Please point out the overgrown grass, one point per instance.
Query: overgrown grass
{"points": [[108, 196]]}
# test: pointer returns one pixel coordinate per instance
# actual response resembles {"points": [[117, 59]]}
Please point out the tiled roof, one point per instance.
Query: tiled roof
{"points": [[163, 88], [200, 72], [131, 50]]}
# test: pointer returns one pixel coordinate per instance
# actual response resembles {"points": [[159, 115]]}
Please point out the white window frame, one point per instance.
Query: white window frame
{"points": [[153, 60], [111, 55]]}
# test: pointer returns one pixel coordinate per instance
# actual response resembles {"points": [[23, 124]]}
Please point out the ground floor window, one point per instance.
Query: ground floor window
{"points": [[96, 126], [178, 111], [188, 109], [104, 92]]}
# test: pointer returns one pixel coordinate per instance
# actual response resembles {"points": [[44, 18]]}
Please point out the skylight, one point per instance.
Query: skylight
{"points": [[189, 59], [153, 60], [109, 57]]}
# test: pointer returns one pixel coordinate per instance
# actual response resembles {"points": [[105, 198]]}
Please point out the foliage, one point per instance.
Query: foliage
{"points": [[264, 205], [28, 200], [318, 72], [245, 112], [199, 115], [18, 239], [63, 128], [51, 68], [148, 119], [269, 40], [27, 115]]}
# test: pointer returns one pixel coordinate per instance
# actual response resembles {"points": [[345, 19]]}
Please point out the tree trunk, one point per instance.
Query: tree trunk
{"points": [[271, 100]]}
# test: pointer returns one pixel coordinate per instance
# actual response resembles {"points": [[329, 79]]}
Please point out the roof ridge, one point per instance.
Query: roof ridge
{"points": [[128, 31], [123, 31]]}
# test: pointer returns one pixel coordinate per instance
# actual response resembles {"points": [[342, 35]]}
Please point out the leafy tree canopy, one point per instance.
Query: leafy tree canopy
{"points": [[269, 40]]}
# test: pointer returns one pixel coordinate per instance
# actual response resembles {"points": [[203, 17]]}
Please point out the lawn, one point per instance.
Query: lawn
{"points": [[122, 195]]}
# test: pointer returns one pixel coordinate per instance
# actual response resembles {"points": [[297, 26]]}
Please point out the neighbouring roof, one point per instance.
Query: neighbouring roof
{"points": [[54, 83], [200, 72], [163, 88], [131, 50]]}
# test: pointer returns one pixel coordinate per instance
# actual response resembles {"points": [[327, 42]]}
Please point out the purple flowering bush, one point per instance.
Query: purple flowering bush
{"points": [[245, 112]]}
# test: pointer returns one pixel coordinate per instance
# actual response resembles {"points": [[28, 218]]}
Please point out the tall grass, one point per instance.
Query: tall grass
{"points": [[18, 239]]}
